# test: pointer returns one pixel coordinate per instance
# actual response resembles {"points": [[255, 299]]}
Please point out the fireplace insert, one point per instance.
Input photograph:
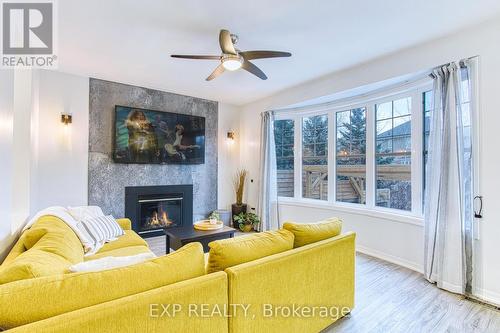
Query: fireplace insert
{"points": [[154, 208], [160, 213]]}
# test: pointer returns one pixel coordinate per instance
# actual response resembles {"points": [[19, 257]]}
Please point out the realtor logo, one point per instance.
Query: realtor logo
{"points": [[28, 34]]}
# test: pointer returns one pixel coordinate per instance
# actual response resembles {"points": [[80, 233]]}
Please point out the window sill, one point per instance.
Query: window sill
{"points": [[383, 213]]}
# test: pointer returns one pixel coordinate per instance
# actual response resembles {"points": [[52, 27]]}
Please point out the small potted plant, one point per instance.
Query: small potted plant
{"points": [[214, 217], [239, 186], [246, 221]]}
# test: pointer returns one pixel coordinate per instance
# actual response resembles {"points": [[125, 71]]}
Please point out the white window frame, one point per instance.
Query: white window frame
{"points": [[368, 101]]}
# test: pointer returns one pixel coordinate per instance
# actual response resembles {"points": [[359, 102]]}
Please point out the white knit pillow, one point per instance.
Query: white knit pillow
{"points": [[99, 230]]}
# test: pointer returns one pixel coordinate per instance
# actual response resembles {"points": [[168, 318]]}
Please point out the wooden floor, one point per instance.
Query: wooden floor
{"points": [[390, 298], [157, 245]]}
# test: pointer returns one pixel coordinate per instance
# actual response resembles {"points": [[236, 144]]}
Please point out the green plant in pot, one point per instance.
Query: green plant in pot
{"points": [[239, 186], [214, 215], [246, 221]]}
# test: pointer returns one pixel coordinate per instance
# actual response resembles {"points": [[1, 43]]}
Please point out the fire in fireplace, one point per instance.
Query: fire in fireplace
{"points": [[160, 213], [158, 219]]}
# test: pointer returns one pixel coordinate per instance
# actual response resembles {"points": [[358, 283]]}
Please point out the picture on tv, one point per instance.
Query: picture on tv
{"points": [[148, 136]]}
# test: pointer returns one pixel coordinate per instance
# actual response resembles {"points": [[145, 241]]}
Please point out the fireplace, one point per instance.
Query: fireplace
{"points": [[154, 208]]}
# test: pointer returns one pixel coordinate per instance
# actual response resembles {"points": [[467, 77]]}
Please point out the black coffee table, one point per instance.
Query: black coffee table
{"points": [[178, 237]]}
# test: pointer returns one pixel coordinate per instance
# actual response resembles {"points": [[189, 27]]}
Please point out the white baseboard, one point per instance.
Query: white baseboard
{"points": [[489, 297], [390, 258], [482, 295]]}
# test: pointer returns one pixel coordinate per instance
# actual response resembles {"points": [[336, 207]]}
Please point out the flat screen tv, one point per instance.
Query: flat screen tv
{"points": [[156, 137]]}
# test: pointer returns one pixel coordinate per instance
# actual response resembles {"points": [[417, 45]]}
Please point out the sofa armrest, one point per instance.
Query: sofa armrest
{"points": [[125, 223], [318, 278], [173, 308]]}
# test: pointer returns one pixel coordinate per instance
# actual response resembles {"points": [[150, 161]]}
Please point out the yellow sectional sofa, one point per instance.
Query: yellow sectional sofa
{"points": [[303, 289]]}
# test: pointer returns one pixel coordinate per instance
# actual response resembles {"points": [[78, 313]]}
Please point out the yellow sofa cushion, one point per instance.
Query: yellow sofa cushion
{"points": [[129, 238], [16, 250], [314, 232], [125, 223], [233, 251], [32, 264], [51, 234], [41, 298]]}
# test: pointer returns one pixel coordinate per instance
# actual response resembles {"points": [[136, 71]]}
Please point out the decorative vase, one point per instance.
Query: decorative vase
{"points": [[246, 227], [237, 209]]}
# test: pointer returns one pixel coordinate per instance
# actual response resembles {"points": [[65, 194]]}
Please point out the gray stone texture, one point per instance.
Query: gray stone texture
{"points": [[107, 180]]}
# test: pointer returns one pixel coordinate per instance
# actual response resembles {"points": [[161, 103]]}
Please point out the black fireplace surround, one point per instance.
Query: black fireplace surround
{"points": [[154, 208]]}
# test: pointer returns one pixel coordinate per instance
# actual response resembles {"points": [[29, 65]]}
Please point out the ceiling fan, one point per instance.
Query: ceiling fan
{"points": [[233, 59]]}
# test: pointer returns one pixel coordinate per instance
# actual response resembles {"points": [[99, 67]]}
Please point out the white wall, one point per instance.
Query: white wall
{"points": [[62, 150], [16, 105], [43, 163], [6, 141], [228, 154], [402, 242]]}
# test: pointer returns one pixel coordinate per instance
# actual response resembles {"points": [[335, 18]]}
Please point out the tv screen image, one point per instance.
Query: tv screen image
{"points": [[149, 136]]}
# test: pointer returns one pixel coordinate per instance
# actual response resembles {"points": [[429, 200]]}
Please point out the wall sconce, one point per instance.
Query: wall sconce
{"points": [[230, 135], [66, 118]]}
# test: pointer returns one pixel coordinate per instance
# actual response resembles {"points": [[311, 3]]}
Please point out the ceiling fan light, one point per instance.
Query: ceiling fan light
{"points": [[231, 64]]}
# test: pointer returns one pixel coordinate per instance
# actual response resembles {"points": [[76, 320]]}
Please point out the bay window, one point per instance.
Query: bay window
{"points": [[367, 152]]}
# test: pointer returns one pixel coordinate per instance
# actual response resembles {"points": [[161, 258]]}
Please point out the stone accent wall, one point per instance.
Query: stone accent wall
{"points": [[107, 180]]}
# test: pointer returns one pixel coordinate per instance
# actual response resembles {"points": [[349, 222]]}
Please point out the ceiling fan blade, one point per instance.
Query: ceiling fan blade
{"points": [[249, 55], [217, 71], [203, 57], [226, 44], [248, 66]]}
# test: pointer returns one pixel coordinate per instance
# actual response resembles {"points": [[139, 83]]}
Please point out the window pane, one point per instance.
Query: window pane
{"points": [[464, 86], [402, 107], [384, 128], [343, 118], [315, 157], [384, 111], [393, 155], [384, 145], [427, 102], [402, 126], [283, 136], [351, 158]]}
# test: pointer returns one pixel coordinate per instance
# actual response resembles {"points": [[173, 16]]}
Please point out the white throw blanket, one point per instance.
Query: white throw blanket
{"points": [[56, 211]]}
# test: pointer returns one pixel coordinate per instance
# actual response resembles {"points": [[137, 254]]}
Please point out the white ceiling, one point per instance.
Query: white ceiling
{"points": [[131, 41]]}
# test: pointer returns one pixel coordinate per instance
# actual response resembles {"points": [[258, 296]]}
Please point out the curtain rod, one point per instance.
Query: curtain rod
{"points": [[461, 63]]}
